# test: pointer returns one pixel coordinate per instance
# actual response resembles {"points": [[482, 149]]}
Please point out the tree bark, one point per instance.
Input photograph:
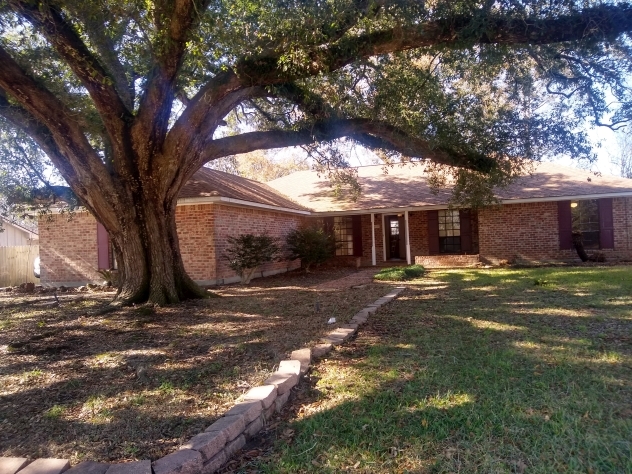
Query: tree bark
{"points": [[578, 242], [151, 267]]}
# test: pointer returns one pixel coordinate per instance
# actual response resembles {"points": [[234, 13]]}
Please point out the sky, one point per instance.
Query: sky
{"points": [[605, 144]]}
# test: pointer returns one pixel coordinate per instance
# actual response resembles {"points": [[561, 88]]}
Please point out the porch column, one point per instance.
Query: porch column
{"points": [[373, 259], [407, 239], [383, 237]]}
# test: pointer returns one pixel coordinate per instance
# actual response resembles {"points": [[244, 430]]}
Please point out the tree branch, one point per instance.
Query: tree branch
{"points": [[155, 106], [597, 23], [370, 133], [41, 112], [66, 41], [605, 22]]}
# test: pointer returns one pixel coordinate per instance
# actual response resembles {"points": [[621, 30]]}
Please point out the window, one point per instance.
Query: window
{"points": [[585, 219], [343, 234], [449, 231]]}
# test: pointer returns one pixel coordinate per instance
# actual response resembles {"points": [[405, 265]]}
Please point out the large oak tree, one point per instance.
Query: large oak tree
{"points": [[127, 98]]}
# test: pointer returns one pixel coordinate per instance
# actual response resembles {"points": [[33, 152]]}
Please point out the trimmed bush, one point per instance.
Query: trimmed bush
{"points": [[311, 244], [400, 273], [247, 252]]}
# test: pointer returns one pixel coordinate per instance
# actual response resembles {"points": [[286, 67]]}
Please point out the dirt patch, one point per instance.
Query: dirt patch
{"points": [[136, 383]]}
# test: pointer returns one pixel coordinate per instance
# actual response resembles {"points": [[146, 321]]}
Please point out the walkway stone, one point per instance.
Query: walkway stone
{"points": [[47, 466], [304, 356], [184, 461], [12, 465], [89, 467], [138, 467]]}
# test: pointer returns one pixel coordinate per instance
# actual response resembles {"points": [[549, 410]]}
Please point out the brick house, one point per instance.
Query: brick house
{"points": [[395, 219]]}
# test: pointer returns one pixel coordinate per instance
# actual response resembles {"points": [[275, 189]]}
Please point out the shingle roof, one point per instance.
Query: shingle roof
{"points": [[213, 183], [24, 225], [407, 186]]}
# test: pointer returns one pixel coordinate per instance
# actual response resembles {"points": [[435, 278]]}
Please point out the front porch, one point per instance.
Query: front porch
{"points": [[436, 238]]}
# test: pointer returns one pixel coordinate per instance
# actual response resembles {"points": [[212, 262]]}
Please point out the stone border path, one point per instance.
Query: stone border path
{"points": [[207, 452]]}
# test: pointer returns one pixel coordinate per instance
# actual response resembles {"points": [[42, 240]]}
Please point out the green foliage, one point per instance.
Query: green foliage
{"points": [[400, 273], [247, 252], [109, 276], [311, 244]]}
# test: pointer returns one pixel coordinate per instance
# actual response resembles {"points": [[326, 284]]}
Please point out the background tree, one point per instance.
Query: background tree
{"points": [[127, 99], [260, 166], [624, 159]]}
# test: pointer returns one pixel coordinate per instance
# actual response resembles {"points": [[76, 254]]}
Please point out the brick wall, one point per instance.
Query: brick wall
{"points": [[529, 232], [68, 249], [418, 223], [447, 261], [232, 221], [195, 234]]}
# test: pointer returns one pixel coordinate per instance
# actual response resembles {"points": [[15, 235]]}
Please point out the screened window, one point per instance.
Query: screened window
{"points": [[343, 233], [585, 219], [449, 231]]}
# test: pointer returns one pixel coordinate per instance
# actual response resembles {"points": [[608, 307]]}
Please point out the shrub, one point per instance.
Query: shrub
{"points": [[400, 273], [311, 244], [247, 252]]}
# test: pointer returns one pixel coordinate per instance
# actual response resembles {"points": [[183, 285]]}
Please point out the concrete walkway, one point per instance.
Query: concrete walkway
{"points": [[361, 277]]}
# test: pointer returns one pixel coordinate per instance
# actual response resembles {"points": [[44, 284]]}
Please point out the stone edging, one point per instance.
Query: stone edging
{"points": [[207, 452]]}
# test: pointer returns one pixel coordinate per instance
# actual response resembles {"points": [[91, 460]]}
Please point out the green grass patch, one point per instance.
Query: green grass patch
{"points": [[400, 273], [477, 371], [55, 412]]}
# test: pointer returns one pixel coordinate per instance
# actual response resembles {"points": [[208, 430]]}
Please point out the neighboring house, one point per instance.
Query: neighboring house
{"points": [[17, 235], [396, 219]]}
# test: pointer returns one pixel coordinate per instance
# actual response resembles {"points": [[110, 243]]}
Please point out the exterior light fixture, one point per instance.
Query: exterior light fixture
{"points": [[574, 204]]}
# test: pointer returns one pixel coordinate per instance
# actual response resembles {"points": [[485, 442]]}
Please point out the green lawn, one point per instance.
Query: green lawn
{"points": [[505, 370]]}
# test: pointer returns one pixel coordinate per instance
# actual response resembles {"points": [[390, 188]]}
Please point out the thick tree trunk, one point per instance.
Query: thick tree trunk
{"points": [[149, 260]]}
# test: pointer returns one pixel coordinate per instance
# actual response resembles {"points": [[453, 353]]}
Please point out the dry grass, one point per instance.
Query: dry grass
{"points": [[136, 383]]}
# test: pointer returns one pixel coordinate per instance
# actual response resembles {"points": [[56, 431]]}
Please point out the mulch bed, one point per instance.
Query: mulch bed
{"points": [[137, 382]]}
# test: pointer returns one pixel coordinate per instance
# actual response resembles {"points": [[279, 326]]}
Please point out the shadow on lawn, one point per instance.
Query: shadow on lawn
{"points": [[441, 382], [137, 383]]}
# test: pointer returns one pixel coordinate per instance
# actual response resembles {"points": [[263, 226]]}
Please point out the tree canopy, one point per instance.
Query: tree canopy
{"points": [[127, 99]]}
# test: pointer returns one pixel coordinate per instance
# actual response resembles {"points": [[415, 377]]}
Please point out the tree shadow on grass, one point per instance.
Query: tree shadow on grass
{"points": [[433, 386]]}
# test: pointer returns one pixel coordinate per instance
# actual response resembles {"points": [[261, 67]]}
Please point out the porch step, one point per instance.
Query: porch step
{"points": [[448, 261]]}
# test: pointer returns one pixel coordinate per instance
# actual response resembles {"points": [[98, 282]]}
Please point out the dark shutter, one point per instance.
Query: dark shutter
{"points": [[433, 232], [466, 230], [357, 235], [565, 224], [103, 247], [606, 223]]}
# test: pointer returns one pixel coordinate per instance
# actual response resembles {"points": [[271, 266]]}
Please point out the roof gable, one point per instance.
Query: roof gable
{"points": [[209, 183]]}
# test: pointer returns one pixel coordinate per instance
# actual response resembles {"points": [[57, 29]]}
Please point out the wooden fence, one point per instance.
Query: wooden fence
{"points": [[16, 265]]}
